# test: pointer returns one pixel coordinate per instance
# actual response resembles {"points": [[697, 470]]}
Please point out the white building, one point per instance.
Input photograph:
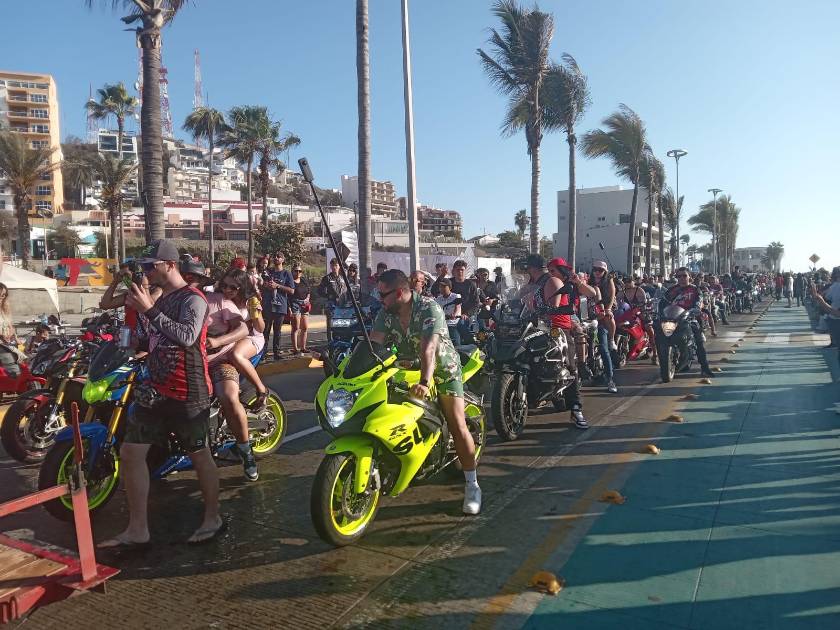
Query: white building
{"points": [[603, 216], [383, 197], [189, 171], [749, 258], [106, 144]]}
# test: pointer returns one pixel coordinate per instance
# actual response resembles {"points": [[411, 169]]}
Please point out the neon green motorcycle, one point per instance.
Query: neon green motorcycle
{"points": [[383, 438]]}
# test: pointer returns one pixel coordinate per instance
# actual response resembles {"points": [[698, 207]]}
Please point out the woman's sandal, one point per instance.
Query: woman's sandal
{"points": [[259, 401]]}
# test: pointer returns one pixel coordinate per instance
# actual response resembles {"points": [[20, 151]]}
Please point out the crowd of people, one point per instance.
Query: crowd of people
{"points": [[202, 336]]}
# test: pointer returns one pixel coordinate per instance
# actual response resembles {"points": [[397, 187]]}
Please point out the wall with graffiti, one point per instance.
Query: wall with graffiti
{"points": [[84, 272]]}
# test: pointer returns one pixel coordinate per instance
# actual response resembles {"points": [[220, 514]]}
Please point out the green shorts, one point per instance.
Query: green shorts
{"points": [[191, 427], [453, 386]]}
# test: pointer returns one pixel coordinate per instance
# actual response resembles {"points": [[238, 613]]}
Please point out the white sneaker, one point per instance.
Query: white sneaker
{"points": [[472, 498], [611, 388], [613, 346]]}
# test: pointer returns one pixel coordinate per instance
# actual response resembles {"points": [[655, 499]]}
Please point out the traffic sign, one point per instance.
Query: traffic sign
{"points": [[814, 258]]}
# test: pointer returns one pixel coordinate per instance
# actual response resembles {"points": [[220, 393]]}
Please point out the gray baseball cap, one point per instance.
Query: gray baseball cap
{"points": [[159, 250]]}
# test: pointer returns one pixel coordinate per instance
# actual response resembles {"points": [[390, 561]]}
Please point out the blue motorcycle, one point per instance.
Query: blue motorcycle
{"points": [[112, 378]]}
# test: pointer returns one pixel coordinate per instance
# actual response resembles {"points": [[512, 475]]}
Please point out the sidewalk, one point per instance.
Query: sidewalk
{"points": [[736, 524]]}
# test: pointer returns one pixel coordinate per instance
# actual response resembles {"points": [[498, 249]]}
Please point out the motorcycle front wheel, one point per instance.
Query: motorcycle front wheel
{"points": [[667, 363], [509, 411], [56, 470], [340, 516], [25, 431]]}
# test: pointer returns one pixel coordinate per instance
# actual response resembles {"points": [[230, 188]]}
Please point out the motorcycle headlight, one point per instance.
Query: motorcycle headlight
{"points": [[738, 292], [338, 404], [668, 328], [342, 323], [95, 391]]}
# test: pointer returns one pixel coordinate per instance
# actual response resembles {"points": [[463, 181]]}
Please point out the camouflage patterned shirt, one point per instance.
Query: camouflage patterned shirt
{"points": [[427, 319]]}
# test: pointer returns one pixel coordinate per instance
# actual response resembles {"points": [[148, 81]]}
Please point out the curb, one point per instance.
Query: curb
{"points": [[296, 364]]}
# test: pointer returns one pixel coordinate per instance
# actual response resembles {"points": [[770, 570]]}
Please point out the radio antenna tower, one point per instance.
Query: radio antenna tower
{"points": [[198, 100], [92, 125], [165, 113]]}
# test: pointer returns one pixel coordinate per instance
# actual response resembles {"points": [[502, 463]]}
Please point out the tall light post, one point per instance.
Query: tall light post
{"points": [[677, 154], [715, 261], [411, 193]]}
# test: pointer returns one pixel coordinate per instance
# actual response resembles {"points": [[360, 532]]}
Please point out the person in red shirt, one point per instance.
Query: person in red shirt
{"points": [[688, 297]]}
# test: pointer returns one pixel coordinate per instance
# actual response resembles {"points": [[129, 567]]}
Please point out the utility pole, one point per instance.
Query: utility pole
{"points": [[715, 261], [677, 154], [411, 193]]}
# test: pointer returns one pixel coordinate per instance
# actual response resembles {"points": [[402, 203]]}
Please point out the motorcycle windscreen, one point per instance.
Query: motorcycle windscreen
{"points": [[108, 358], [363, 360]]}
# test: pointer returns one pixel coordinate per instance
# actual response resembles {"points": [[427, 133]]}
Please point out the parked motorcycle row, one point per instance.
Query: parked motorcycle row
{"points": [[95, 372], [383, 439]]}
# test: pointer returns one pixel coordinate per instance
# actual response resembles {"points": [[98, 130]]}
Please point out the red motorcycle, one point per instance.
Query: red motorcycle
{"points": [[631, 337], [17, 379]]}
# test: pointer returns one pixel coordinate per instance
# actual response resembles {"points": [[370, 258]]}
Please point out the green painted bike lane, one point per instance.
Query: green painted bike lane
{"points": [[736, 523]]}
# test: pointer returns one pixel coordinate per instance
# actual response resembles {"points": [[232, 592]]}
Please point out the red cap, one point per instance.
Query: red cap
{"points": [[559, 262], [238, 263]]}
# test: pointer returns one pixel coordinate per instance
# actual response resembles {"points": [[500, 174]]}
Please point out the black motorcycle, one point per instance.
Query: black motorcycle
{"points": [[345, 332], [530, 366], [674, 341]]}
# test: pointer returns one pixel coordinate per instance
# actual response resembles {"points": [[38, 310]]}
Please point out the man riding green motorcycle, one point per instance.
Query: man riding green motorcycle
{"points": [[417, 327]]}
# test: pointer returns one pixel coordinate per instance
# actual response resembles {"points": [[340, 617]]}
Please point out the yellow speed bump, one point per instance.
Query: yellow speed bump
{"points": [[612, 496], [675, 418], [651, 449], [547, 582]]}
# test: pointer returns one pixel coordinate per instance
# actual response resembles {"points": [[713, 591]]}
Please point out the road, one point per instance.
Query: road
{"points": [[671, 556]]}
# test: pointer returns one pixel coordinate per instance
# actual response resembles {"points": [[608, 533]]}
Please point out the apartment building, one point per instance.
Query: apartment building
{"points": [[29, 106], [189, 171], [603, 217], [439, 222], [383, 196]]}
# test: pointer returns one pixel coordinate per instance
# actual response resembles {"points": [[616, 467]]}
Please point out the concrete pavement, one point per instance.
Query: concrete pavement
{"points": [[732, 523]]}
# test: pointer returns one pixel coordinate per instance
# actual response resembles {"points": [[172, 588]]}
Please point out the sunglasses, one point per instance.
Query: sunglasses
{"points": [[149, 266], [682, 275], [232, 287], [597, 271], [382, 296]]}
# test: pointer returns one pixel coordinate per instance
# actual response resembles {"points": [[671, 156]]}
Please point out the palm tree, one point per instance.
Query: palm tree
{"points": [[672, 211], [363, 171], [271, 146], [241, 142], [566, 98], [653, 178], [625, 143], [114, 101], [773, 255], [78, 174], [152, 15], [208, 124], [114, 175], [521, 221], [23, 168], [518, 67], [727, 226]]}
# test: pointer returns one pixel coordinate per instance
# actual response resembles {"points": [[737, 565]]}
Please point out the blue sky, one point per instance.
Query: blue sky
{"points": [[750, 88]]}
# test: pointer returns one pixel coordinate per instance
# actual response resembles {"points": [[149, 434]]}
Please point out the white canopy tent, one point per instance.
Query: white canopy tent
{"points": [[20, 280]]}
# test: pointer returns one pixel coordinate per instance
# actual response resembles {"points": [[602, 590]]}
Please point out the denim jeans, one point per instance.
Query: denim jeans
{"points": [[465, 334], [454, 335], [604, 349]]}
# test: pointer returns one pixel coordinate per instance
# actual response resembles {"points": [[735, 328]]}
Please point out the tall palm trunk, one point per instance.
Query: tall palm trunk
{"points": [[24, 244], [535, 200], [264, 190], [631, 241], [112, 218], [649, 236], [250, 212], [572, 249], [152, 133], [661, 234], [121, 255], [211, 141], [363, 97]]}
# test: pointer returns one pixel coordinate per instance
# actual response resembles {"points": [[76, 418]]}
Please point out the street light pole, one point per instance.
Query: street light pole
{"points": [[715, 261], [411, 193], [677, 154]]}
